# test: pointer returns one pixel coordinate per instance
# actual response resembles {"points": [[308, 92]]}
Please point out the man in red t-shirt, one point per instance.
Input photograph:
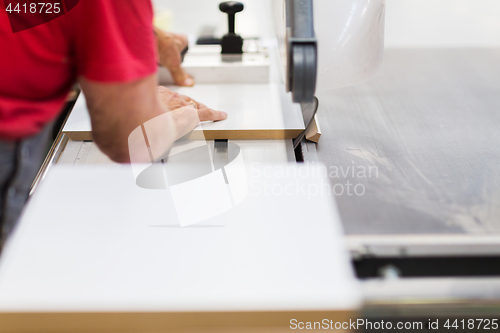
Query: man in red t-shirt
{"points": [[108, 47]]}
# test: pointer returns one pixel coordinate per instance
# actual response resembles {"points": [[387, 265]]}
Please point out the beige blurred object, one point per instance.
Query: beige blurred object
{"points": [[313, 131], [73, 94], [163, 19]]}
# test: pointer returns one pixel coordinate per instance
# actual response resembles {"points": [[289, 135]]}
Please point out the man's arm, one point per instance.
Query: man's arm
{"points": [[116, 109]]}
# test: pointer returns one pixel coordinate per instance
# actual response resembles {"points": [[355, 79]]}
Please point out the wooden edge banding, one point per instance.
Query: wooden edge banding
{"points": [[161, 321], [246, 134], [213, 135], [79, 136], [313, 131]]}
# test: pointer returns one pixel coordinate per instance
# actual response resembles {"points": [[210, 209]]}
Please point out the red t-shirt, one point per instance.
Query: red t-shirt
{"points": [[101, 40]]}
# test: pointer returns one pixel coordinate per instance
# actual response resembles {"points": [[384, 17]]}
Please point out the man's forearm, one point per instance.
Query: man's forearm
{"points": [[118, 109]]}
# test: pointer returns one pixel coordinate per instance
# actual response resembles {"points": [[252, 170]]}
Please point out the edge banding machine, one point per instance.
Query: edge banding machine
{"points": [[230, 232]]}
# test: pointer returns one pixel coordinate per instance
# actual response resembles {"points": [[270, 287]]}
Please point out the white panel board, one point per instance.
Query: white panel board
{"points": [[91, 241], [255, 111]]}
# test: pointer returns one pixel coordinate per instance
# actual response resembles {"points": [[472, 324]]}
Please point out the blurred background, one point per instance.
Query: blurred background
{"points": [[409, 23]]}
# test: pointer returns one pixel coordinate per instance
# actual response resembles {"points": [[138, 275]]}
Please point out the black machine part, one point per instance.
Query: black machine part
{"points": [[231, 43], [302, 50]]}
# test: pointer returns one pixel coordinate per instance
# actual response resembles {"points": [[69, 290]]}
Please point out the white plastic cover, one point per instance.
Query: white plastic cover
{"points": [[350, 40]]}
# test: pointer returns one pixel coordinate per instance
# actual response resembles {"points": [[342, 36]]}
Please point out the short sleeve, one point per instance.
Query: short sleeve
{"points": [[113, 41]]}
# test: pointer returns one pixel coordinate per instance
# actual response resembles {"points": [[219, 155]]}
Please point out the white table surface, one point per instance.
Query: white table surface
{"points": [[91, 240]]}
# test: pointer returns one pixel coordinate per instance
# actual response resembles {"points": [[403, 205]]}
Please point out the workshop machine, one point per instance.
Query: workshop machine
{"points": [[418, 197]]}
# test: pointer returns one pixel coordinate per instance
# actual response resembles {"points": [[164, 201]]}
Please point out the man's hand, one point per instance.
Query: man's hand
{"points": [[173, 101], [185, 112], [119, 109], [170, 46]]}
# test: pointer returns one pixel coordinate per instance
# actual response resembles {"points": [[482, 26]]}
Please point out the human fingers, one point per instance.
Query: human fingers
{"points": [[207, 114], [181, 41], [191, 101], [171, 99], [179, 75], [170, 47]]}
